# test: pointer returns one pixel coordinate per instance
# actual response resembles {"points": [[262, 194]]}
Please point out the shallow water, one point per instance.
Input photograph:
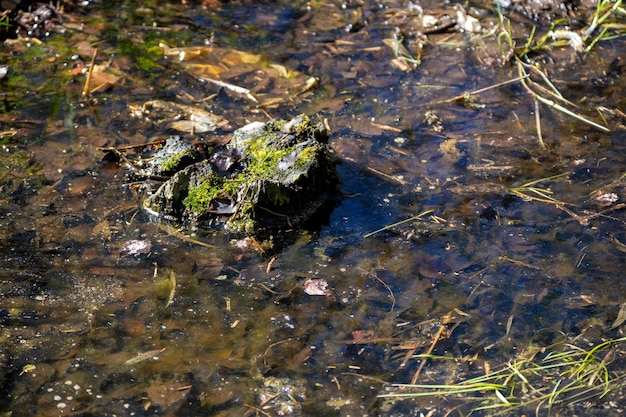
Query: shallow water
{"points": [[207, 323]]}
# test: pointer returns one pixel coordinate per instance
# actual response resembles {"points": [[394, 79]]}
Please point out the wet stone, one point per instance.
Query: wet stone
{"points": [[270, 175], [172, 157]]}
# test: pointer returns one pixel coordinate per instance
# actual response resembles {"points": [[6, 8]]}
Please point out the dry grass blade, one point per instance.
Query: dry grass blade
{"points": [[389, 226], [232, 87], [529, 190], [551, 103], [621, 316], [463, 96], [172, 280]]}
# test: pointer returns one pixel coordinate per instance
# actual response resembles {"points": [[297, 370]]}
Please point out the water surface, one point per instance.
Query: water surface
{"points": [[429, 246]]}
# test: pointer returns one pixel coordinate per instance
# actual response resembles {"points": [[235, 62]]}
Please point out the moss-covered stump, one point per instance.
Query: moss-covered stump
{"points": [[171, 158], [270, 175]]}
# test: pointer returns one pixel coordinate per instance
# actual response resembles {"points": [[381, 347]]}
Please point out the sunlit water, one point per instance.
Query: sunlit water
{"points": [[222, 328]]}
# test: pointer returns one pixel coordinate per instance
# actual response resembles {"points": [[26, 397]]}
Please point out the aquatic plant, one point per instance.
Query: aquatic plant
{"points": [[543, 378], [546, 93], [605, 9]]}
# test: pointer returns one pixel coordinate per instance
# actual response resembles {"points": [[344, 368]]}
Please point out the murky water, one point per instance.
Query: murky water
{"points": [[439, 242]]}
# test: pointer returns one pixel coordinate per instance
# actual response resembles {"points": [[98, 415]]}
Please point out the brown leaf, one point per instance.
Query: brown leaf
{"points": [[361, 336], [165, 395]]}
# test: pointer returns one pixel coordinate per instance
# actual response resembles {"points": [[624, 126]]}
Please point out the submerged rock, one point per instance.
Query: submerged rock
{"points": [[274, 174]]}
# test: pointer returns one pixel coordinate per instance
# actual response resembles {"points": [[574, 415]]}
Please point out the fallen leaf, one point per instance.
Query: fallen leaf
{"points": [[316, 287]]}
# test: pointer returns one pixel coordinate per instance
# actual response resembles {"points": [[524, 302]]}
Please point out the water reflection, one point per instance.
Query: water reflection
{"points": [[225, 327]]}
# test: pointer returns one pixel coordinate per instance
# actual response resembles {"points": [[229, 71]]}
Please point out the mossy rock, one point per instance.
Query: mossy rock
{"points": [[270, 175], [172, 157]]}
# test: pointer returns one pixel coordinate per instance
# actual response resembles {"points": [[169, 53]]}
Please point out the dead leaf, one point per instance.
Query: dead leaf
{"points": [[361, 336], [103, 230], [165, 395], [316, 287]]}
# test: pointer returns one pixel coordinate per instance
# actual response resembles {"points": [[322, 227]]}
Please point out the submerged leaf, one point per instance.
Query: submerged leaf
{"points": [[151, 354], [246, 74], [316, 287], [184, 118]]}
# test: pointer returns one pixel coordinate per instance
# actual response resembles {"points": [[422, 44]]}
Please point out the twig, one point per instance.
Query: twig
{"points": [[393, 298], [91, 66], [170, 230], [442, 328], [481, 90], [584, 220], [256, 409], [386, 176]]}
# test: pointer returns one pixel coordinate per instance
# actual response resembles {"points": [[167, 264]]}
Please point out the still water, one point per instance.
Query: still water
{"points": [[457, 233]]}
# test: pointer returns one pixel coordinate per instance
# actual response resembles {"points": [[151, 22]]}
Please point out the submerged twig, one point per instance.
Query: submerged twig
{"points": [[232, 87], [172, 231], [172, 279], [393, 298], [144, 356], [416, 375]]}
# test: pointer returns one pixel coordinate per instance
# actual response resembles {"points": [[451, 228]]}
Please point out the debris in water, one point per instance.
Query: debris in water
{"points": [[136, 248], [316, 287], [605, 199]]}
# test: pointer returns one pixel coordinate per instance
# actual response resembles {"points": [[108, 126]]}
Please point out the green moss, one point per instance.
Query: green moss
{"points": [[62, 46], [173, 162], [262, 182], [264, 162], [17, 82], [147, 55], [199, 198], [308, 155], [304, 128]]}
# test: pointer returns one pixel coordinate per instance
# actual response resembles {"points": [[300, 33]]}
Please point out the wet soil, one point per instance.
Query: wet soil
{"points": [[458, 232]]}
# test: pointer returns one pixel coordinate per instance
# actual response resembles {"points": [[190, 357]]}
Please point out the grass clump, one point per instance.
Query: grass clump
{"points": [[543, 379]]}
